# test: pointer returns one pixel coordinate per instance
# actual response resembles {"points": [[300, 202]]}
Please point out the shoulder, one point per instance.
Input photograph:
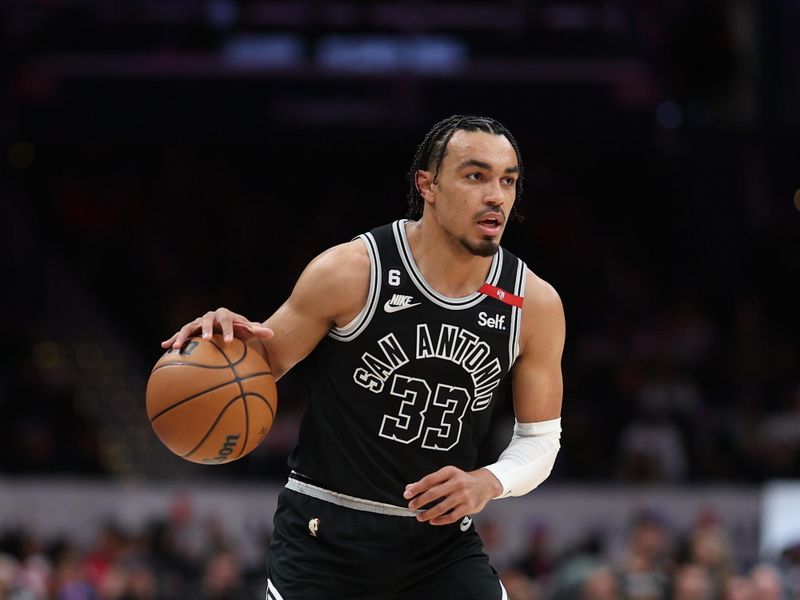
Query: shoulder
{"points": [[351, 255], [340, 275], [539, 294], [342, 264], [542, 314]]}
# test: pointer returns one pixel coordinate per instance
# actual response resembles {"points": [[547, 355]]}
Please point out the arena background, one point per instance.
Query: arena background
{"points": [[161, 158]]}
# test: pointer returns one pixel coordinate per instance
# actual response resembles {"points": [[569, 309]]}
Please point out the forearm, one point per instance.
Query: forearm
{"points": [[529, 458]]}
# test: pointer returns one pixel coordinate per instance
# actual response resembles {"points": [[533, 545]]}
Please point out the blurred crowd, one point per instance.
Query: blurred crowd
{"points": [[155, 564], [656, 562], [178, 558]]}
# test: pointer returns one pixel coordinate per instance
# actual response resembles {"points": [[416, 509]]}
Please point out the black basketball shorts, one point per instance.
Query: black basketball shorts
{"points": [[323, 551]]}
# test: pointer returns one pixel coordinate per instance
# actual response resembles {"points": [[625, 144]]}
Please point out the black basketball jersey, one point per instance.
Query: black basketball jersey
{"points": [[407, 387]]}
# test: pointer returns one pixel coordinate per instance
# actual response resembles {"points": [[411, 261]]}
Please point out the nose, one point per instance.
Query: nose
{"points": [[493, 194]]}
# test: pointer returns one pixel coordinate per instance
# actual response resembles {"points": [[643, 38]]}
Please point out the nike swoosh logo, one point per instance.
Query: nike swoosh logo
{"points": [[390, 309], [465, 523]]}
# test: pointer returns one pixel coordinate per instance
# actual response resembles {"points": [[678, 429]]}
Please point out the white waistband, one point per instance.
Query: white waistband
{"points": [[349, 501]]}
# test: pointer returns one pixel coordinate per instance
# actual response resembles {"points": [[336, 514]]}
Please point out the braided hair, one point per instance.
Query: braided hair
{"points": [[430, 154]]}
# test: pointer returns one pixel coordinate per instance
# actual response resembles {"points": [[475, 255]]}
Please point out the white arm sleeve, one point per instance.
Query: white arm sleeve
{"points": [[529, 458]]}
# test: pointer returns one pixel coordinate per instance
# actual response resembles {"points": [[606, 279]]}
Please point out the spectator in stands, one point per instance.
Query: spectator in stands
{"points": [[790, 567], [648, 561], [519, 586], [738, 587], [108, 547], [69, 579], [767, 583], [222, 579], [692, 582], [602, 584], [710, 548], [536, 560], [135, 578]]}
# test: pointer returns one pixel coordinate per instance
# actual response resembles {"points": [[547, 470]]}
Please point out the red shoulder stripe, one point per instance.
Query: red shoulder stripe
{"points": [[501, 294]]}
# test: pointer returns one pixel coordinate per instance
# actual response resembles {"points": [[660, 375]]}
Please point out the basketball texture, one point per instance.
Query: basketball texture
{"points": [[212, 402]]}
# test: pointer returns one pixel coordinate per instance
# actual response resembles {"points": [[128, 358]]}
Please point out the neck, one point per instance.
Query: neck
{"points": [[444, 262]]}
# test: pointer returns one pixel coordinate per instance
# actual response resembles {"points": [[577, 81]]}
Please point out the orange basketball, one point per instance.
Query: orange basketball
{"points": [[212, 402]]}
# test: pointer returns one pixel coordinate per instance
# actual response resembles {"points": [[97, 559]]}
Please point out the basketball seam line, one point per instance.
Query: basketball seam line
{"points": [[244, 403], [189, 364], [216, 387], [210, 429], [232, 366], [225, 356], [246, 414], [266, 401]]}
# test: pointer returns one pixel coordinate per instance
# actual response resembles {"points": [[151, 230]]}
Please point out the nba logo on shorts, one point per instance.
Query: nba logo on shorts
{"points": [[501, 294], [313, 526]]}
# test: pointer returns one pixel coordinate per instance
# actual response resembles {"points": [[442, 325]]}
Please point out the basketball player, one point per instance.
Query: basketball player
{"points": [[407, 332]]}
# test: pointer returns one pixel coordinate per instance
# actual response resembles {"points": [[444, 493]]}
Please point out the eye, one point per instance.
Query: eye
{"points": [[476, 176], [510, 181]]}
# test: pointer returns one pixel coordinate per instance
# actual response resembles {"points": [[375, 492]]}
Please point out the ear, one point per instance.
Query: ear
{"points": [[425, 185]]}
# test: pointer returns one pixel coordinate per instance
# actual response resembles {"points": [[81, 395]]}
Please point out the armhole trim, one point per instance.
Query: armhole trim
{"points": [[354, 328], [516, 313]]}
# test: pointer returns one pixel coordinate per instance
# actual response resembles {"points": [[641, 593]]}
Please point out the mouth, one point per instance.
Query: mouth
{"points": [[490, 224]]}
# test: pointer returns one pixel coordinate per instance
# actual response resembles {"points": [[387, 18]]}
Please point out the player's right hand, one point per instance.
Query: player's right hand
{"points": [[224, 320]]}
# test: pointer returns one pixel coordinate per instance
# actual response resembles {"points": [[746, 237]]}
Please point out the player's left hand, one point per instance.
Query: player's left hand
{"points": [[456, 494]]}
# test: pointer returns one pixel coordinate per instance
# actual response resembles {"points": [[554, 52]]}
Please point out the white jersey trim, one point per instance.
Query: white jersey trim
{"points": [[272, 593], [423, 286], [354, 328], [516, 313]]}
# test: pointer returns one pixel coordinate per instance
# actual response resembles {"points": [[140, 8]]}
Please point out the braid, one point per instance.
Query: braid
{"points": [[430, 154]]}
